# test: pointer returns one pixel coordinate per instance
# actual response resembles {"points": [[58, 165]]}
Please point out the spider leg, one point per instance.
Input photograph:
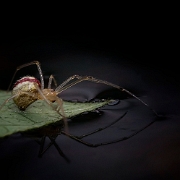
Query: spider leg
{"points": [[50, 81], [60, 108], [17, 94], [108, 142], [65, 86], [66, 81], [7, 100], [46, 100], [60, 105], [29, 64]]}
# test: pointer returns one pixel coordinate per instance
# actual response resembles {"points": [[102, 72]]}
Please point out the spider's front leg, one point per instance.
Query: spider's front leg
{"points": [[51, 78], [65, 85], [60, 109], [59, 88], [60, 105], [7, 100], [50, 96]]}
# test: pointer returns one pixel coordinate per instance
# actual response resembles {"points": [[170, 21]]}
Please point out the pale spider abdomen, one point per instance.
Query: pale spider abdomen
{"points": [[26, 91]]}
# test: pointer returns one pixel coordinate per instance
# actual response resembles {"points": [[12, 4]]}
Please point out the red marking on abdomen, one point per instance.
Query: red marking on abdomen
{"points": [[27, 79]]}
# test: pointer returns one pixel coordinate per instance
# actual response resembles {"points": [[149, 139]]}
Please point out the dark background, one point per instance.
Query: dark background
{"points": [[139, 53], [149, 42]]}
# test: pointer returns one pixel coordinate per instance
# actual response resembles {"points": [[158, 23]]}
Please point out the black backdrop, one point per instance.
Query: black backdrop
{"points": [[140, 56]]}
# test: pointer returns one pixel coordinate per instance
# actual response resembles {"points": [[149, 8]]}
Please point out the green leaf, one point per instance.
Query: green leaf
{"points": [[38, 114]]}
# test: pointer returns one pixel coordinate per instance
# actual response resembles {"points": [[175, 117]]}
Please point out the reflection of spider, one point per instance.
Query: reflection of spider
{"points": [[28, 89]]}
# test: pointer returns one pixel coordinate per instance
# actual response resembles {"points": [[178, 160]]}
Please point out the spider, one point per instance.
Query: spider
{"points": [[28, 89]]}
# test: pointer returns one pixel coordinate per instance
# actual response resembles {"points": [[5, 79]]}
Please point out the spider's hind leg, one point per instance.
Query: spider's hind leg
{"points": [[7, 100], [27, 99]]}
